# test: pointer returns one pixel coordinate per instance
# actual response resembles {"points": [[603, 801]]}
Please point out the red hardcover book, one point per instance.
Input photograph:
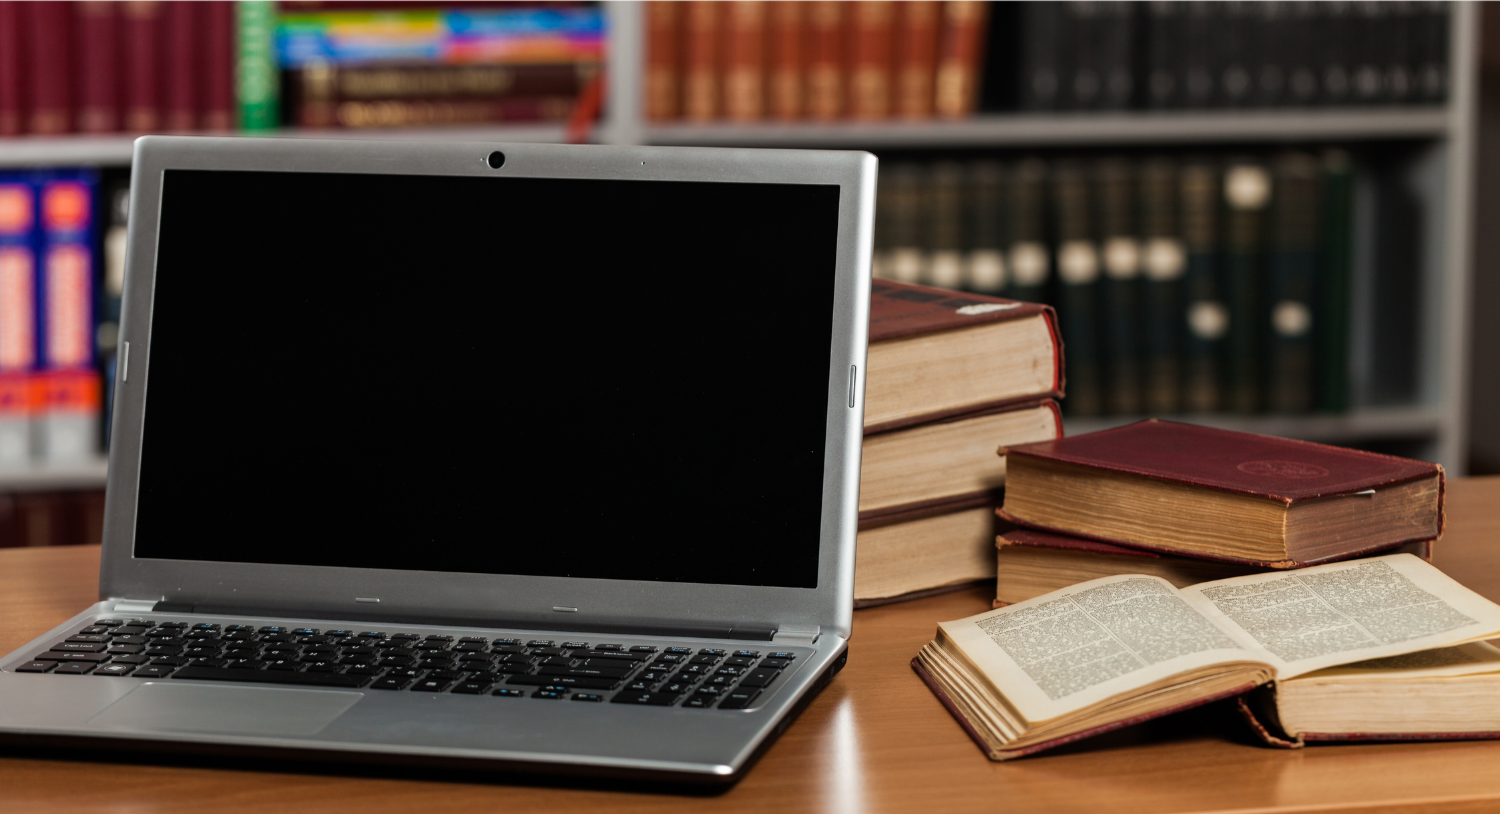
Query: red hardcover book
{"points": [[916, 58], [180, 68], [216, 100], [49, 37], [936, 353], [960, 58], [663, 60], [98, 68], [784, 24], [143, 75], [870, 51], [12, 60], [744, 87], [700, 47], [824, 80], [1226, 495]]}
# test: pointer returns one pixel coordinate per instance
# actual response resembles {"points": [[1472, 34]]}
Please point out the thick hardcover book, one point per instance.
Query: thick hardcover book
{"points": [[1206, 492], [824, 80], [326, 95], [960, 58], [181, 68], [50, 67], [1291, 279], [1078, 284], [916, 57], [98, 67], [217, 100], [925, 551], [663, 59], [1247, 194], [1205, 318], [700, 62], [257, 83], [871, 51], [143, 51], [12, 69], [1120, 286], [936, 353], [1110, 652], [744, 60], [785, 23], [1163, 263], [18, 339]]}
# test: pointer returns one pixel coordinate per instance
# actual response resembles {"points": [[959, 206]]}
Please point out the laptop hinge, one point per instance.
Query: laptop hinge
{"points": [[134, 605], [798, 634]]}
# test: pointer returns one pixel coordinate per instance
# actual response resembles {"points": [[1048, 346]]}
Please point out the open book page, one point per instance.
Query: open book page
{"points": [[1077, 646], [1348, 611], [1466, 659]]}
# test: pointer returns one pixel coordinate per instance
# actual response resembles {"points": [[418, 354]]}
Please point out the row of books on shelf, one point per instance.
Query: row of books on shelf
{"points": [[31, 519], [59, 314], [1164, 55], [103, 67], [1184, 284]]}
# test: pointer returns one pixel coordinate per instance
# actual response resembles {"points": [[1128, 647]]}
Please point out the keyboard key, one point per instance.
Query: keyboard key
{"points": [[699, 702], [85, 637], [676, 688], [268, 629], [546, 651], [587, 696], [709, 691], [609, 647], [472, 687], [642, 648], [621, 659], [473, 639], [507, 642], [552, 694], [576, 645], [650, 699], [774, 664], [109, 622], [389, 683], [269, 677], [127, 659], [730, 671], [71, 646], [125, 649], [170, 661], [709, 651], [338, 634], [781, 655], [588, 672], [747, 654], [759, 677], [361, 670], [113, 670], [205, 626], [696, 669], [469, 647], [153, 671], [541, 643], [132, 640], [678, 651], [301, 631], [508, 693], [73, 668], [739, 661], [555, 661], [36, 667], [371, 634], [93, 658], [432, 685], [739, 699]]}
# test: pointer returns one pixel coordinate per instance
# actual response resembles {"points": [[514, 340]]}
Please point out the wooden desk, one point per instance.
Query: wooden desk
{"points": [[875, 740]]}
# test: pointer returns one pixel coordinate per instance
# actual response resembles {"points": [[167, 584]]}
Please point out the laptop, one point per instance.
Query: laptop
{"points": [[524, 457]]}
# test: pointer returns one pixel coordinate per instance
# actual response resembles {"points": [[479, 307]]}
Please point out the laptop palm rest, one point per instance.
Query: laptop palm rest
{"points": [[184, 707]]}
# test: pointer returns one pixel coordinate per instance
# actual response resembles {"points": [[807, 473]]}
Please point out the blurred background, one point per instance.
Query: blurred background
{"points": [[1276, 217]]}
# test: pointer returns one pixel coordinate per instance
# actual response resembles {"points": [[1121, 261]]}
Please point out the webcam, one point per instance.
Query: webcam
{"points": [[496, 160]]}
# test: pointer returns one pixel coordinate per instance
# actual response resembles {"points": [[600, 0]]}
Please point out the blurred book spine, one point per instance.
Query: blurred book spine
{"points": [[67, 428], [18, 336]]}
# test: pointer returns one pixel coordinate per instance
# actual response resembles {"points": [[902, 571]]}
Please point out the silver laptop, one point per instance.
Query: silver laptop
{"points": [[527, 457]]}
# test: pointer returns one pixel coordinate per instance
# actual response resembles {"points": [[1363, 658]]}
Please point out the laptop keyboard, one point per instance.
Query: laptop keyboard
{"points": [[654, 675]]}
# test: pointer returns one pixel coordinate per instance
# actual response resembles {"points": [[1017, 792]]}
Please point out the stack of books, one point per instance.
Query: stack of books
{"points": [[1190, 504], [1318, 615], [950, 378]]}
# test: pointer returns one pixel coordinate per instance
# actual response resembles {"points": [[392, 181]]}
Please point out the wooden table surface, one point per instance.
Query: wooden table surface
{"points": [[875, 740]]}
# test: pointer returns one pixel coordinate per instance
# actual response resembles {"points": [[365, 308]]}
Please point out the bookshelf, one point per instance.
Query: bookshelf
{"points": [[1436, 165]]}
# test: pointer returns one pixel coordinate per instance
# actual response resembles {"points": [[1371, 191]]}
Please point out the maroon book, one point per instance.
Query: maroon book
{"points": [[142, 47], [180, 68], [217, 66], [936, 353], [49, 39], [1125, 484], [12, 60], [98, 74]]}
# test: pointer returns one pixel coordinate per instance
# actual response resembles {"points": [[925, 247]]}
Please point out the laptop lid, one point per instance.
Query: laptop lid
{"points": [[590, 388]]}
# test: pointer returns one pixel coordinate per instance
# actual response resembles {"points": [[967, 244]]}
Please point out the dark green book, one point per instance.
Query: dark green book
{"points": [[984, 227], [1119, 287], [1028, 260], [1078, 287], [944, 266], [257, 82], [1335, 262], [1205, 319], [1163, 262], [1291, 274], [903, 188], [1247, 196]]}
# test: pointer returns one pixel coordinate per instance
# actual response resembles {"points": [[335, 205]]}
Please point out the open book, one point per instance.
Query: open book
{"points": [[1111, 652]]}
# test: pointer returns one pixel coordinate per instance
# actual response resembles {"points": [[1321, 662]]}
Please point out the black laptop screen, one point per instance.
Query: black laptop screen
{"points": [[580, 378]]}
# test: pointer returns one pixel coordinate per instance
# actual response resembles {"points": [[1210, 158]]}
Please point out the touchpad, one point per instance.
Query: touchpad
{"points": [[230, 710]]}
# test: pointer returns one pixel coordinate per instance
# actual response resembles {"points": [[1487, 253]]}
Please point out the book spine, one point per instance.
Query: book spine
{"points": [[1119, 287], [663, 60], [1291, 272], [1028, 256], [1395, 52], [1205, 317], [18, 339], [1368, 52], [1233, 47], [744, 60], [1266, 60], [1199, 68], [98, 87], [825, 60], [905, 260], [50, 62], [1335, 275], [1301, 52], [180, 68], [1335, 37], [1081, 54], [217, 66], [1117, 43], [341, 83], [870, 54], [1247, 194], [12, 70], [256, 82], [984, 222], [1430, 53], [960, 58], [419, 113], [1041, 41], [143, 74], [785, 92], [945, 221], [1164, 262], [70, 384], [1163, 54], [701, 61], [1078, 279], [916, 41]]}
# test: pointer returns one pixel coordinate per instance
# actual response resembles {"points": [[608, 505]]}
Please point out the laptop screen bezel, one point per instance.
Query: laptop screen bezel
{"points": [[514, 600]]}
